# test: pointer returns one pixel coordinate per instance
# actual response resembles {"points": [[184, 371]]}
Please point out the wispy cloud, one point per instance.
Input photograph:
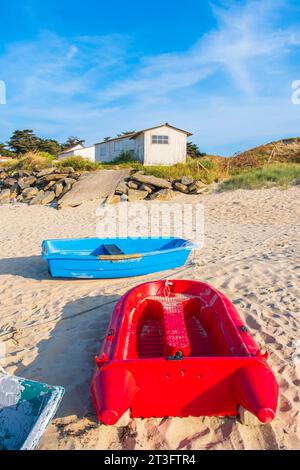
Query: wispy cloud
{"points": [[97, 85]]}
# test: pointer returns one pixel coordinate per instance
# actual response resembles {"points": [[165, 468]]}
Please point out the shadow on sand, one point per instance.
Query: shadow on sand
{"points": [[32, 267], [67, 357]]}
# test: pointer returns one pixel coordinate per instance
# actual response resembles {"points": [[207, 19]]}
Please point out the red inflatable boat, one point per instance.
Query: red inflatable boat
{"points": [[179, 348]]}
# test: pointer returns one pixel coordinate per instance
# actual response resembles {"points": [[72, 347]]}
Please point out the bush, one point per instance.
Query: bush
{"points": [[78, 163], [267, 176], [124, 157], [32, 161]]}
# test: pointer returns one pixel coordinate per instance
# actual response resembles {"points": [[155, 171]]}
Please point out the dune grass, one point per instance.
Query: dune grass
{"points": [[268, 176], [79, 164], [32, 161]]}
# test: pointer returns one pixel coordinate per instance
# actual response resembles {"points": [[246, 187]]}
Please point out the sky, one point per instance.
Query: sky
{"points": [[221, 69]]}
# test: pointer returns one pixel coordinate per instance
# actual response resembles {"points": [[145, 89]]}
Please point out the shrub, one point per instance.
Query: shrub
{"points": [[124, 157], [78, 163]]}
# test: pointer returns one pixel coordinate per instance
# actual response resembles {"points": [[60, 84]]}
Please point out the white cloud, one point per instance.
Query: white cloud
{"points": [[96, 85]]}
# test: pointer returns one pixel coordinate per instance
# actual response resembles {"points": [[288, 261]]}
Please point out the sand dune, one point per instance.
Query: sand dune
{"points": [[53, 328]]}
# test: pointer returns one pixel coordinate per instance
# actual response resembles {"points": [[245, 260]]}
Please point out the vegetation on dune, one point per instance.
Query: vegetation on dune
{"points": [[278, 174], [30, 161], [78, 163]]}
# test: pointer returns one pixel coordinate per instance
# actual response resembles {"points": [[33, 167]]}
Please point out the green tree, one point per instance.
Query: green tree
{"points": [[193, 150], [23, 141], [126, 133], [4, 152], [51, 146], [71, 142]]}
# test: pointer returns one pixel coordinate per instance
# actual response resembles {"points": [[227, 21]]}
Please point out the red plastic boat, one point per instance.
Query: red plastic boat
{"points": [[179, 348]]}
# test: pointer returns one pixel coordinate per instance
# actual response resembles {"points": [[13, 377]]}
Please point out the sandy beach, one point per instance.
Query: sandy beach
{"points": [[52, 329]]}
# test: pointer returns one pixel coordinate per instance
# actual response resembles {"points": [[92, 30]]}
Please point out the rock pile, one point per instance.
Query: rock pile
{"points": [[32, 187], [139, 186]]}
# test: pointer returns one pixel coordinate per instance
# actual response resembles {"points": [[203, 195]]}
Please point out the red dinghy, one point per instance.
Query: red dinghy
{"points": [[180, 348]]}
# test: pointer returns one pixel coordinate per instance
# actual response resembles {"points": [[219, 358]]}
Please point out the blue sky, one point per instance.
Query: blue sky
{"points": [[220, 69]]}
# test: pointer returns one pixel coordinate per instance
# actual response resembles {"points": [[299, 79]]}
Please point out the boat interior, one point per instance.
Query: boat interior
{"points": [[178, 326]]}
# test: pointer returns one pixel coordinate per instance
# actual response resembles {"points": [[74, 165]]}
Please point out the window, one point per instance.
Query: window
{"points": [[160, 139]]}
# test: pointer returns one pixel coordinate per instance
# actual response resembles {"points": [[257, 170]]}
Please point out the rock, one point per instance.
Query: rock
{"points": [[14, 191], [115, 199], [152, 180], [9, 182], [43, 197], [147, 187], [5, 196], [26, 182], [70, 181], [3, 175], [162, 195], [58, 189], [48, 197], [180, 187], [47, 171], [121, 188], [124, 198], [21, 174], [97, 185], [136, 195], [29, 193], [50, 185], [66, 169], [52, 177], [198, 188], [187, 180], [133, 185]]}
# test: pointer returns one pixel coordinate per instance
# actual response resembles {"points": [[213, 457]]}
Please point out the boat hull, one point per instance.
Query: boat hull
{"points": [[88, 266], [134, 371]]}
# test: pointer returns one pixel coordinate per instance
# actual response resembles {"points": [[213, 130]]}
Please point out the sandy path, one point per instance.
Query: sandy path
{"points": [[53, 328]]}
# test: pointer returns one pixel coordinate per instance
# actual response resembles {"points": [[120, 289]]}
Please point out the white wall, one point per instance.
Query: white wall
{"points": [[108, 151], [87, 152], [165, 154]]}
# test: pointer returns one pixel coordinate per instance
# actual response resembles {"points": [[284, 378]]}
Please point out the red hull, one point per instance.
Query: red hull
{"points": [[180, 349]]}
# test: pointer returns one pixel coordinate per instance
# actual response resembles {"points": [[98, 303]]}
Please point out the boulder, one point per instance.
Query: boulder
{"points": [[180, 187], [5, 196], [133, 185], [136, 195], [187, 180], [29, 193], [152, 180], [52, 177], [50, 185], [121, 188], [47, 171], [3, 175], [147, 187], [14, 191], [58, 189], [43, 197], [198, 188], [70, 181], [92, 186], [26, 181], [65, 169], [162, 195], [124, 198], [9, 182], [21, 174]]}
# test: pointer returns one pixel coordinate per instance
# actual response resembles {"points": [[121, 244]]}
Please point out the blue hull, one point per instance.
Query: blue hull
{"points": [[81, 258]]}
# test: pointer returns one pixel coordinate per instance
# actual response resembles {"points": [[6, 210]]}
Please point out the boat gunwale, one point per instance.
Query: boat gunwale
{"points": [[70, 255]]}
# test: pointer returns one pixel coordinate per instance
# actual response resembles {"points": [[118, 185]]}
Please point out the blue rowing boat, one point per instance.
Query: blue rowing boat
{"points": [[95, 258]]}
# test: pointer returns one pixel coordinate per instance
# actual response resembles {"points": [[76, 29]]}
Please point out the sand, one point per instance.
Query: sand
{"points": [[52, 329]]}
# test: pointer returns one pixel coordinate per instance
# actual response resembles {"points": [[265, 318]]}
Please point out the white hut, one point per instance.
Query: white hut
{"points": [[159, 145]]}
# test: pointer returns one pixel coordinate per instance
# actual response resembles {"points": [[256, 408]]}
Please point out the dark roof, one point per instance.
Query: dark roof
{"points": [[135, 134], [156, 127]]}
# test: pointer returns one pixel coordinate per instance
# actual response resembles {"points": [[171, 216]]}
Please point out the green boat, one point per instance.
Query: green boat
{"points": [[26, 409]]}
